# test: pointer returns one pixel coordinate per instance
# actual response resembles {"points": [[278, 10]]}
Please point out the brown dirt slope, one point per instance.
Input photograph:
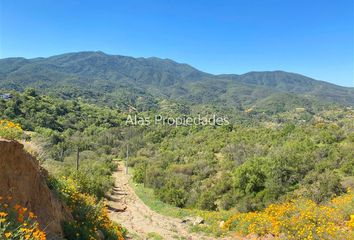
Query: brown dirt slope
{"points": [[23, 179]]}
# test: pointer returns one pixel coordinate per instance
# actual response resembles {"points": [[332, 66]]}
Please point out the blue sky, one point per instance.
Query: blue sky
{"points": [[310, 37]]}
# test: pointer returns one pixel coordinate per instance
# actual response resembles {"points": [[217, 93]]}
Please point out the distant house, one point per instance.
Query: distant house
{"points": [[6, 96]]}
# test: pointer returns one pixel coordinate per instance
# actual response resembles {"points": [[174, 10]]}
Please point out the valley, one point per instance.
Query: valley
{"points": [[176, 120], [281, 166]]}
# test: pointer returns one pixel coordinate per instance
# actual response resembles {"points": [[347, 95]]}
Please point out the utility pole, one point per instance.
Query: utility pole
{"points": [[129, 134]]}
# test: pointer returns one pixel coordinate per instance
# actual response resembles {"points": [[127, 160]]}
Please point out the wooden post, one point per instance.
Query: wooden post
{"points": [[126, 160], [77, 158], [145, 173], [62, 155]]}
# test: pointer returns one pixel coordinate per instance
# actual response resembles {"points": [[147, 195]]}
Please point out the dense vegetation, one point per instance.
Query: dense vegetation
{"points": [[248, 165], [257, 160], [72, 141]]}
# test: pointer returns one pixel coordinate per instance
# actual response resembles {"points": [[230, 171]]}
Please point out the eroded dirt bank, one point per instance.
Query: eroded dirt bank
{"points": [[24, 181]]}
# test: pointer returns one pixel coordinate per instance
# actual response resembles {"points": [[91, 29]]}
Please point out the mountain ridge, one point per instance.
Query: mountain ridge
{"points": [[222, 75], [101, 73]]}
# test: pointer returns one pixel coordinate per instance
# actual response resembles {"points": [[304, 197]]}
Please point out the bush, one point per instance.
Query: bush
{"points": [[90, 215], [93, 178], [10, 130], [139, 173], [174, 191]]}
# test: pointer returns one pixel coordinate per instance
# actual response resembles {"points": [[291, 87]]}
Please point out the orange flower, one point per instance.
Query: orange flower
{"points": [[17, 207], [3, 214], [8, 235], [20, 218], [31, 215]]}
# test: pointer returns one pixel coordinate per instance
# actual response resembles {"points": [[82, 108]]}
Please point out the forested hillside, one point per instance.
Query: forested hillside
{"points": [[248, 165], [255, 161], [120, 80], [287, 150]]}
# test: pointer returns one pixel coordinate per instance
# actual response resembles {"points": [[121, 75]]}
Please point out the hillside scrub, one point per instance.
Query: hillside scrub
{"points": [[249, 166], [77, 149], [90, 214], [299, 219], [258, 160]]}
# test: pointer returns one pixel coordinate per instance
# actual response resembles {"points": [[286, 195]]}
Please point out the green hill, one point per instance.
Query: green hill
{"points": [[141, 82]]}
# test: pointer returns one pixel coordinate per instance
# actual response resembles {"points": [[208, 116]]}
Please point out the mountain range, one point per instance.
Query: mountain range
{"points": [[142, 82]]}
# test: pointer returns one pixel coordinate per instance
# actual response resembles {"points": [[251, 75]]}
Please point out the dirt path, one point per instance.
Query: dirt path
{"points": [[143, 223]]}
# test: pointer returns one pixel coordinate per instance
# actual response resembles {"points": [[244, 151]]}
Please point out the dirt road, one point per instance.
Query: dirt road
{"points": [[141, 222]]}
